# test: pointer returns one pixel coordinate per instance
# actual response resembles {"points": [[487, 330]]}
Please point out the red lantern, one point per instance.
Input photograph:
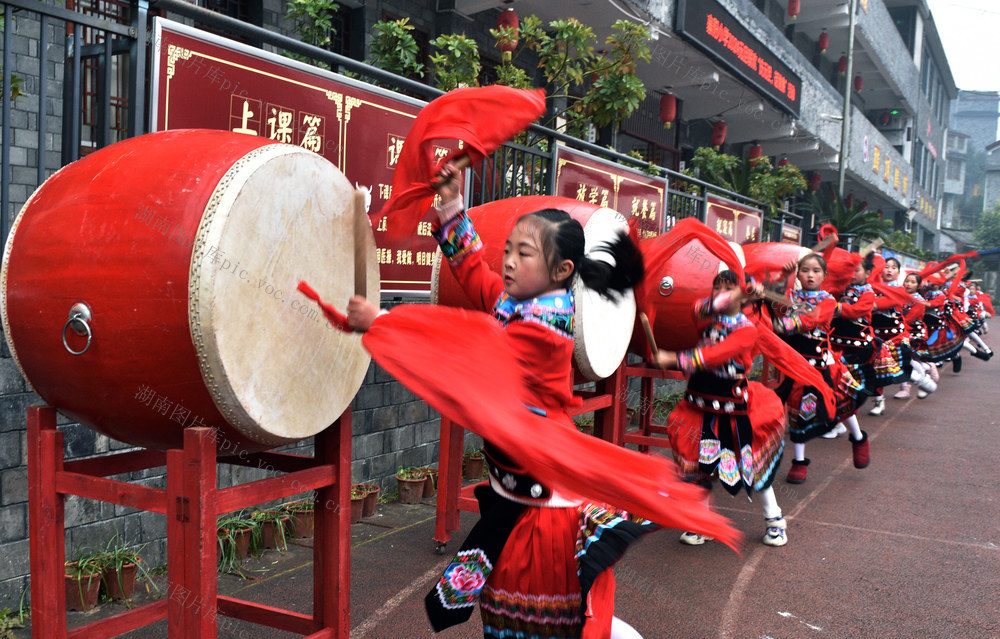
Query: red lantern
{"points": [[842, 65], [783, 162], [885, 118], [824, 42], [864, 205], [849, 201], [719, 134], [881, 215], [793, 8], [668, 109], [858, 83], [755, 152], [814, 182], [507, 43]]}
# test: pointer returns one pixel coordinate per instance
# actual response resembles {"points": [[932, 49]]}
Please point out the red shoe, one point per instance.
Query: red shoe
{"points": [[797, 474], [862, 454]]}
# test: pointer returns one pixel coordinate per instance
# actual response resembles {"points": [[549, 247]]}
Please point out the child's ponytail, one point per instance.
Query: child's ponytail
{"points": [[609, 268], [612, 267]]}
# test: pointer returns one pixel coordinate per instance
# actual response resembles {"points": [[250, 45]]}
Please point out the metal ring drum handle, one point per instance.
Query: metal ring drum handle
{"points": [[79, 315], [666, 286]]}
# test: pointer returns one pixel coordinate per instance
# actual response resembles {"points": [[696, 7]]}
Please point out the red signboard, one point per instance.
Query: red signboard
{"points": [[791, 234], [203, 81], [633, 194], [713, 28], [735, 222]]}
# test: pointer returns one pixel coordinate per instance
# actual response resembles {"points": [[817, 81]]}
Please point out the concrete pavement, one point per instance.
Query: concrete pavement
{"points": [[909, 547]]}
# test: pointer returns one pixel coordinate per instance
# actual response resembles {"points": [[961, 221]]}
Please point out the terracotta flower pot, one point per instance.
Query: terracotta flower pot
{"points": [[411, 491], [472, 468], [82, 590], [430, 482], [120, 585], [357, 507], [302, 523], [242, 539], [371, 498], [269, 537]]}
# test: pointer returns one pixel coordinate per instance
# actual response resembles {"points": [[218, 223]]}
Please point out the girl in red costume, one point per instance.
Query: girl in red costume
{"points": [[724, 425], [889, 323], [805, 325], [874, 362], [538, 561], [913, 317]]}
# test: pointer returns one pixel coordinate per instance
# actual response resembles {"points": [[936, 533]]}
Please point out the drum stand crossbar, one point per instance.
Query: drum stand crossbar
{"points": [[649, 434], [191, 503], [607, 402]]}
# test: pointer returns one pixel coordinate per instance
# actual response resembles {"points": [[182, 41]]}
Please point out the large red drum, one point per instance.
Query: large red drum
{"points": [[151, 286], [602, 327], [671, 287]]}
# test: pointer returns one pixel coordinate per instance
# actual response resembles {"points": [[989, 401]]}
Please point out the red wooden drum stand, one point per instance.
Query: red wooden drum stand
{"points": [[191, 503], [608, 403]]}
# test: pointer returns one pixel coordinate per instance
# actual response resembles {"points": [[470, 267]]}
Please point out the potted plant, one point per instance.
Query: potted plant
{"points": [[83, 582], [120, 563], [430, 481], [273, 525], [357, 503], [239, 536], [302, 514], [411, 484], [472, 464], [371, 498]]}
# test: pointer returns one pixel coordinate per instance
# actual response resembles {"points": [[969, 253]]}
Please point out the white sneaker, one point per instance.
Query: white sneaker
{"points": [[879, 407], [926, 385], [839, 429], [693, 539], [776, 533], [903, 393]]}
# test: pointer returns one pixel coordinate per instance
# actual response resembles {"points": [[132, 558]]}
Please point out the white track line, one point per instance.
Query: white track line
{"points": [[728, 625], [386, 609]]}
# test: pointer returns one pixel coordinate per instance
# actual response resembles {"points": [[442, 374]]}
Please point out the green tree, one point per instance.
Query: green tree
{"points": [[313, 21], [599, 88], [903, 242], [455, 62], [755, 179], [853, 221], [394, 49], [987, 233]]}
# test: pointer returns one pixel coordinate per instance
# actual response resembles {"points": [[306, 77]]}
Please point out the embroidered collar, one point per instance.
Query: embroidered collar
{"points": [[554, 310], [800, 295]]}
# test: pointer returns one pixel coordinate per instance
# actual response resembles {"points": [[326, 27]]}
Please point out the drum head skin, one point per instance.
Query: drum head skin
{"points": [[276, 369]]}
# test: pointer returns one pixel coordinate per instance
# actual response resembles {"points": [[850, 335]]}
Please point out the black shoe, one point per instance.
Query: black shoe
{"points": [[983, 355], [956, 364]]}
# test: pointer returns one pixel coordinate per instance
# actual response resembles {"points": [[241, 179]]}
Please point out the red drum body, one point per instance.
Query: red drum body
{"points": [[768, 258], [151, 286], [602, 327], [671, 288]]}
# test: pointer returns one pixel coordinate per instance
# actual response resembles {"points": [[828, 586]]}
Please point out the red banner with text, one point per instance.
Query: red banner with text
{"points": [[735, 222], [204, 81], [634, 194]]}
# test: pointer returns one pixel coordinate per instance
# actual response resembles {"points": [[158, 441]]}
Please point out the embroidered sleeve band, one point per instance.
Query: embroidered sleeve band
{"points": [[458, 238]]}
